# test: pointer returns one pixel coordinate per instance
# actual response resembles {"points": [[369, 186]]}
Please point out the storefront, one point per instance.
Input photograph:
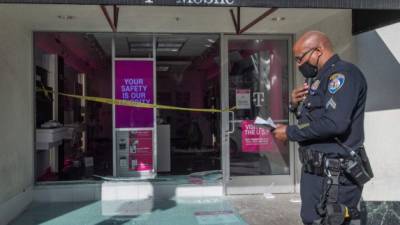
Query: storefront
{"points": [[212, 130], [223, 66]]}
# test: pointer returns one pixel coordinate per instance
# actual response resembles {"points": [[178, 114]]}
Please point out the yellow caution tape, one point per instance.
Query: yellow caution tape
{"points": [[132, 103]]}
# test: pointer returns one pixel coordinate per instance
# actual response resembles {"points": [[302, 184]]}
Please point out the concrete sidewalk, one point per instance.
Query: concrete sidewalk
{"points": [[280, 209], [230, 210]]}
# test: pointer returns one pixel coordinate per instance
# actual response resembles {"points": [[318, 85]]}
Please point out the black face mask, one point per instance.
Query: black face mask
{"points": [[308, 70]]}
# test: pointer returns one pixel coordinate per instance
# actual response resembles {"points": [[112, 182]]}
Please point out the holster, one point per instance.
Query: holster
{"points": [[366, 163], [359, 168], [313, 161]]}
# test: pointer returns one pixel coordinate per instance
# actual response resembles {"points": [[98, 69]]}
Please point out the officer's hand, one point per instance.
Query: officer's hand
{"points": [[299, 94], [280, 132]]}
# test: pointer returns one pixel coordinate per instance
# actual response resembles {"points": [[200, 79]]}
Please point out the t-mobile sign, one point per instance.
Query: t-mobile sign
{"points": [[134, 82]]}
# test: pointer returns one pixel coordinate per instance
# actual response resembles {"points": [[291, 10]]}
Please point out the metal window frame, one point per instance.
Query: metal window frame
{"points": [[154, 128], [288, 180], [332, 4]]}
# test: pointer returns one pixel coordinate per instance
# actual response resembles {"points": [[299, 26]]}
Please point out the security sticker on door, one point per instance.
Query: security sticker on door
{"points": [[243, 99]]}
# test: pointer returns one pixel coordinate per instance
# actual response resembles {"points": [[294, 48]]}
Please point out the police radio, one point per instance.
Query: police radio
{"points": [[299, 109], [359, 167]]}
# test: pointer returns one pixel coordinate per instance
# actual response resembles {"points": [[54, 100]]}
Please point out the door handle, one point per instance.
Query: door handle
{"points": [[231, 122]]}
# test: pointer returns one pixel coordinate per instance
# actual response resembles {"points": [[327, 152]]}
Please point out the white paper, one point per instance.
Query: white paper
{"points": [[243, 99], [269, 196], [268, 122]]}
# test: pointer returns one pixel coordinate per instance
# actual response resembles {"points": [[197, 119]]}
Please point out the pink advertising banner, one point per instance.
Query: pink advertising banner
{"points": [[141, 154], [134, 82], [256, 139]]}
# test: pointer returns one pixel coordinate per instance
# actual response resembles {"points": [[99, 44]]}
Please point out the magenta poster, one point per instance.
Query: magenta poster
{"points": [[134, 82], [256, 139], [141, 154]]}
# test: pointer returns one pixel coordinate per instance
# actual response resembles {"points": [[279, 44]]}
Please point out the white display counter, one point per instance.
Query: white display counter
{"points": [[48, 138]]}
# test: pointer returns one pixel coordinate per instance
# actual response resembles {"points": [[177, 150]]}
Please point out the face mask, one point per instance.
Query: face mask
{"points": [[308, 70]]}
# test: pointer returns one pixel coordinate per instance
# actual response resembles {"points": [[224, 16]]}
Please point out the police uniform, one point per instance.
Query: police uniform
{"points": [[333, 109]]}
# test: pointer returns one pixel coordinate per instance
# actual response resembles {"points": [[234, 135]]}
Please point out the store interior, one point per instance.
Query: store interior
{"points": [[187, 75]]}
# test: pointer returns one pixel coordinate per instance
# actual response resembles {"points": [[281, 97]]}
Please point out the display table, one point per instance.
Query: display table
{"points": [[48, 138], [47, 142]]}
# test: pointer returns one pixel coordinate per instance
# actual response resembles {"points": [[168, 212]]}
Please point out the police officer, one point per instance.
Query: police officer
{"points": [[330, 113]]}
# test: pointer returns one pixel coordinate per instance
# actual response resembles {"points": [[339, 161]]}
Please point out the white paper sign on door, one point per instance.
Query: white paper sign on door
{"points": [[243, 99]]}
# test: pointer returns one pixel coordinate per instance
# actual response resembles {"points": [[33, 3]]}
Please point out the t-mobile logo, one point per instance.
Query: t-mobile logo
{"points": [[258, 98]]}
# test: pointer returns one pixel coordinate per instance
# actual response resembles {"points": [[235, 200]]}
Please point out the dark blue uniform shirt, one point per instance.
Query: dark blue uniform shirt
{"points": [[334, 108]]}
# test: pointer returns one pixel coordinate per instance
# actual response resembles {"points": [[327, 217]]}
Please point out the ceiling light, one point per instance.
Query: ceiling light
{"points": [[66, 17], [140, 45], [207, 46], [162, 68], [164, 39], [278, 18], [141, 49], [211, 41], [167, 49], [170, 45]]}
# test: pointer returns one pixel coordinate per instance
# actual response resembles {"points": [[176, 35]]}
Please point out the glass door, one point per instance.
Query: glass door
{"points": [[256, 81]]}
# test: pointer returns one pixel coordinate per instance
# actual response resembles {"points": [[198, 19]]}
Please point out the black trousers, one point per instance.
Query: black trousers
{"points": [[311, 188]]}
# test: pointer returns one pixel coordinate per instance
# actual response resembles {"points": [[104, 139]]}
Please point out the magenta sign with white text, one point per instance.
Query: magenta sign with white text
{"points": [[134, 82], [256, 139]]}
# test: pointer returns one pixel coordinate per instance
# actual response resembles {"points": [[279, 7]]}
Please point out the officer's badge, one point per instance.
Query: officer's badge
{"points": [[314, 87], [336, 81]]}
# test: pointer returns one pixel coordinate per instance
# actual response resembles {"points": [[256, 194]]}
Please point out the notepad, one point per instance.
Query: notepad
{"points": [[269, 122]]}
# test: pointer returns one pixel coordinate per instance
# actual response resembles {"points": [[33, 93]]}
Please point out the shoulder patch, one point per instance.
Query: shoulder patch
{"points": [[336, 81]]}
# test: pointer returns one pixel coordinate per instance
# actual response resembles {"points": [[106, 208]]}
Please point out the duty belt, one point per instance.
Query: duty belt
{"points": [[318, 163]]}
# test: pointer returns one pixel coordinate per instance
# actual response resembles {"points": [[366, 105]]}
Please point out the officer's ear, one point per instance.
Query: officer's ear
{"points": [[318, 50]]}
